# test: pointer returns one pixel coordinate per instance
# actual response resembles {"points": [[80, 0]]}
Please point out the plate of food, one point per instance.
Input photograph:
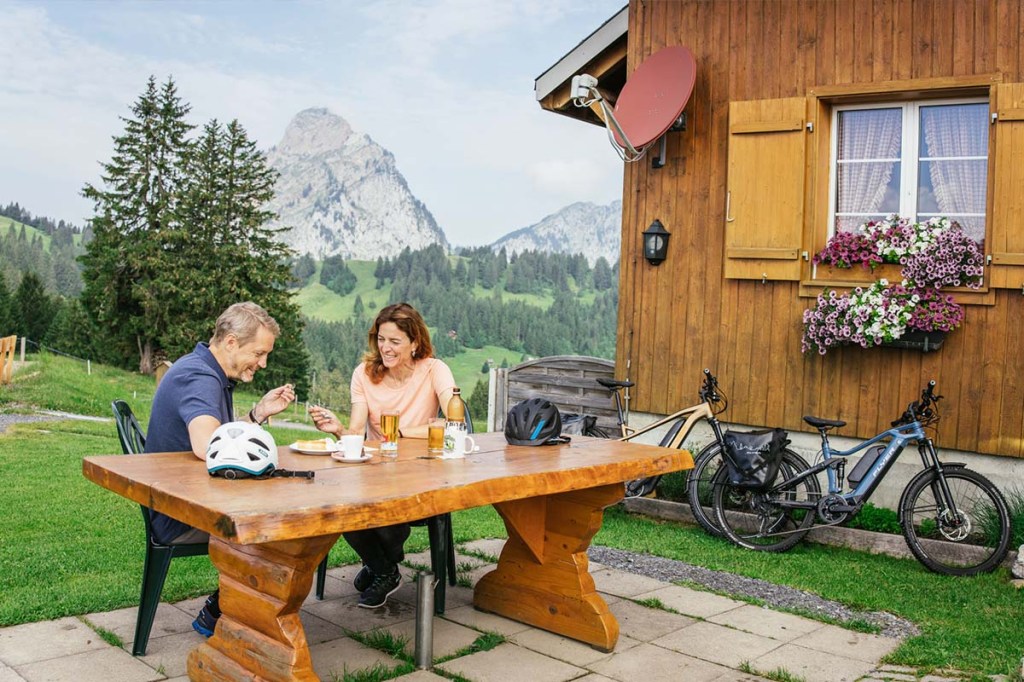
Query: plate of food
{"points": [[321, 446]]}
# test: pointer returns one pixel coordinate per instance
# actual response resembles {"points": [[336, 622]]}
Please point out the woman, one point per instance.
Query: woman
{"points": [[398, 374]]}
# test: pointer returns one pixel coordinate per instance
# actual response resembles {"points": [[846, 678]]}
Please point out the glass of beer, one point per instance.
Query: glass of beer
{"points": [[435, 436], [389, 429]]}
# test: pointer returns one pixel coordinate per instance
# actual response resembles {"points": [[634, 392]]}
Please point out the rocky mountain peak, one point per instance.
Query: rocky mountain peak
{"points": [[582, 227], [340, 193]]}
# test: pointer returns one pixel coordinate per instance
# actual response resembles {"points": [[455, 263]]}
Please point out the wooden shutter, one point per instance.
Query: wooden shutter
{"points": [[1006, 233], [765, 192]]}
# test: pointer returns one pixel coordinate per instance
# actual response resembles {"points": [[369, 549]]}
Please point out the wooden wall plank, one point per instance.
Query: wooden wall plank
{"points": [[963, 38], [921, 56], [903, 47], [1007, 41], [985, 393], [864, 39], [942, 36]]}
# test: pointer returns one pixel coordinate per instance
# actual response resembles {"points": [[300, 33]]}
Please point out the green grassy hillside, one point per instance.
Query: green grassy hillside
{"points": [[316, 300], [7, 225]]}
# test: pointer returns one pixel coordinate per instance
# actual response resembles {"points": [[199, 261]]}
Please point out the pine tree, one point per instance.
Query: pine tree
{"points": [[33, 309], [6, 312], [133, 212]]}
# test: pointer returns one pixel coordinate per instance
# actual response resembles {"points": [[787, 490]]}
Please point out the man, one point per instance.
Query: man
{"points": [[195, 397]]}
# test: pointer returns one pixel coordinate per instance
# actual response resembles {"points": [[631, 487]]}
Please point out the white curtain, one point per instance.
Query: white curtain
{"points": [[867, 134], [960, 185]]}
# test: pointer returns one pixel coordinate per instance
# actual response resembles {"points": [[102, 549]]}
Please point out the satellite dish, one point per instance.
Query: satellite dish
{"points": [[650, 103]]}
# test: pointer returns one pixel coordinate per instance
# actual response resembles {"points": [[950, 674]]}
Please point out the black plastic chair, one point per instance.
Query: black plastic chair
{"points": [[158, 555], [442, 551]]}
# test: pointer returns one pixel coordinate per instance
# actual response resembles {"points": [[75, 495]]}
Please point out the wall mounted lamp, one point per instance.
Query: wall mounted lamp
{"points": [[656, 243]]}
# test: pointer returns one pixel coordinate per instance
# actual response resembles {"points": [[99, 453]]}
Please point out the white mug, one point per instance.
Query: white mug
{"points": [[351, 446], [464, 444]]}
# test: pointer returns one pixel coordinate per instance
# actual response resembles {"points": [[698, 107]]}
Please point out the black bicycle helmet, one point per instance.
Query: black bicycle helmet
{"points": [[534, 421]]}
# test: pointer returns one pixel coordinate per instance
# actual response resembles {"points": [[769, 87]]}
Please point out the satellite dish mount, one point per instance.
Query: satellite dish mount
{"points": [[650, 104]]}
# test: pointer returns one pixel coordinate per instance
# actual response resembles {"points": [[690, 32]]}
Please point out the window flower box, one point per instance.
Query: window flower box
{"points": [[915, 339], [912, 314]]}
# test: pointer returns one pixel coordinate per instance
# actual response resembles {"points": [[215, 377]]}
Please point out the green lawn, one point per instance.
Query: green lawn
{"points": [[68, 547]]}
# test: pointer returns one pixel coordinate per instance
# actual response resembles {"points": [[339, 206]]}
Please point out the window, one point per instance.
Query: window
{"points": [[918, 159]]}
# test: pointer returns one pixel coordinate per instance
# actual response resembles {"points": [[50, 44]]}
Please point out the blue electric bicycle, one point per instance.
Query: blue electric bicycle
{"points": [[955, 520]]}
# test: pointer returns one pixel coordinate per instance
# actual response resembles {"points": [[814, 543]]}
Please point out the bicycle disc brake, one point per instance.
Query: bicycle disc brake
{"points": [[826, 509], [955, 528]]}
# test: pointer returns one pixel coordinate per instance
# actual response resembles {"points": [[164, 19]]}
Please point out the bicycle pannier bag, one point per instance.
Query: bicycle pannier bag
{"points": [[753, 457], [578, 424]]}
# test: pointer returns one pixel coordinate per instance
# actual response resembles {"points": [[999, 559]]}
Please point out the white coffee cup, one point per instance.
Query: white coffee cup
{"points": [[352, 446], [464, 444]]}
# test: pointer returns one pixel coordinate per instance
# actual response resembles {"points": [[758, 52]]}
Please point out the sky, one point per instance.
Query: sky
{"points": [[445, 85]]}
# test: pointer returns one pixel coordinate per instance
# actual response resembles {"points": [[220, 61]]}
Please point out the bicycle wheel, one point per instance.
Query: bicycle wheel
{"points": [[756, 520], [699, 486], [971, 539]]}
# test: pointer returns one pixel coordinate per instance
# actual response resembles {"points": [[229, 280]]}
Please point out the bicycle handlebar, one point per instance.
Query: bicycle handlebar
{"points": [[710, 393], [924, 410]]}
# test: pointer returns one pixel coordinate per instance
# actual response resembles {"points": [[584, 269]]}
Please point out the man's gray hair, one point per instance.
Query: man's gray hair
{"points": [[244, 321]]}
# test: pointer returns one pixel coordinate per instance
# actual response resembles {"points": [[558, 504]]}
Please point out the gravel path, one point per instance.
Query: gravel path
{"points": [[8, 419], [773, 595]]}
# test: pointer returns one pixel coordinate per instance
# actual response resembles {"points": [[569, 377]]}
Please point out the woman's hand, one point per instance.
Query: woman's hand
{"points": [[325, 420]]}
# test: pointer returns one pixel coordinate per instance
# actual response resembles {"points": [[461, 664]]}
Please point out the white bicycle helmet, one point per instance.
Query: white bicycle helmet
{"points": [[241, 450]]}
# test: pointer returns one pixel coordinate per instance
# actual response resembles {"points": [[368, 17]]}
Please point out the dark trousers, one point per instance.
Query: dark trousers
{"points": [[381, 549]]}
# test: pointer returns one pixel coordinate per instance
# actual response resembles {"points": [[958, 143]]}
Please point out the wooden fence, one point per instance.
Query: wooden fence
{"points": [[568, 381], [7, 346]]}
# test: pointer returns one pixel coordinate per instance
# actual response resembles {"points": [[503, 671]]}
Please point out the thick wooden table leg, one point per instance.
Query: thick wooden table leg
{"points": [[543, 574], [259, 636]]}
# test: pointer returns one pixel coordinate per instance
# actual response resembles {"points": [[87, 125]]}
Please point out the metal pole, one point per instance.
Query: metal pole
{"points": [[23, 349], [424, 620]]}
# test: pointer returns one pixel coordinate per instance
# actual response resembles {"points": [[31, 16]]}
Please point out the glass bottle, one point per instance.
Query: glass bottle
{"points": [[455, 422]]}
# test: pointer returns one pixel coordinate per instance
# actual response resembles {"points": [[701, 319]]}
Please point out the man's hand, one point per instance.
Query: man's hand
{"points": [[275, 401]]}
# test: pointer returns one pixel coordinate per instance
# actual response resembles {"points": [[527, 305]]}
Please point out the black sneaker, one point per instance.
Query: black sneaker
{"points": [[363, 579], [383, 586], [206, 622]]}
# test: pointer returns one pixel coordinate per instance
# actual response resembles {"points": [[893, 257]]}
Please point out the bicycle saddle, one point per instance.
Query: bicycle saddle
{"points": [[612, 384], [819, 423]]}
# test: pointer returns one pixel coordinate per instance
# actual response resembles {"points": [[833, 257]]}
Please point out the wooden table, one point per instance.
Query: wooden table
{"points": [[268, 536]]}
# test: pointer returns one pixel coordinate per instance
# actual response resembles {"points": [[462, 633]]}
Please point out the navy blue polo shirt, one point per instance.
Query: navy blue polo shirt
{"points": [[194, 386]]}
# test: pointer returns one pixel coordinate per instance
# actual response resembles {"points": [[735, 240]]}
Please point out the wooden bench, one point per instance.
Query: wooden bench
{"points": [[568, 381]]}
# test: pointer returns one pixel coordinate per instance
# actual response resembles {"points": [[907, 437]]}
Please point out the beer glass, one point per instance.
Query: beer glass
{"points": [[389, 429]]}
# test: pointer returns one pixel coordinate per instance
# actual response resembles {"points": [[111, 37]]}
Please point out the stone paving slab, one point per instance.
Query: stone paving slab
{"points": [[170, 653], [858, 645], [646, 624], [9, 675], [655, 664], [449, 637], [169, 620], [510, 662], [623, 584], [346, 613], [767, 622], [724, 646], [345, 654], [422, 676], [811, 665], [690, 602], [34, 642], [102, 665], [485, 622], [567, 650]]}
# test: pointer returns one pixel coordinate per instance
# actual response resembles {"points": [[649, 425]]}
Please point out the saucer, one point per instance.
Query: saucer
{"points": [[353, 460]]}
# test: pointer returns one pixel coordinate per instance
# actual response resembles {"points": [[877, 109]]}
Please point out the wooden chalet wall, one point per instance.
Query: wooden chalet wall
{"points": [[684, 315]]}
